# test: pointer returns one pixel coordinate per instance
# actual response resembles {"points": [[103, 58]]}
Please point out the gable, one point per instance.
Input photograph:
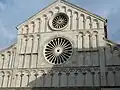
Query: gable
{"points": [[74, 13]]}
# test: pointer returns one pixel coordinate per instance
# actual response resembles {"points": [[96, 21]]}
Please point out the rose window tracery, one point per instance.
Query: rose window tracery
{"points": [[58, 50], [59, 21]]}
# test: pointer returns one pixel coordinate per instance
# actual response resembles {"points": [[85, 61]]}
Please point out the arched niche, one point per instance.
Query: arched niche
{"points": [[24, 43], [69, 13], [18, 79], [1, 61], [38, 25], [25, 78], [95, 24], [30, 43], [9, 55], [36, 43], [5, 60], [44, 23], [40, 79], [88, 22], [26, 29], [7, 79], [51, 13], [63, 9], [116, 56], [2, 75], [87, 39], [82, 21], [31, 27], [32, 78], [75, 20], [20, 31], [108, 54], [89, 79], [80, 40], [95, 39], [57, 9], [2, 58]]}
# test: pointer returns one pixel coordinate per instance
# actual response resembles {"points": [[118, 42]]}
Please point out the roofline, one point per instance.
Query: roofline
{"points": [[35, 14], [84, 10], [112, 42], [11, 46]]}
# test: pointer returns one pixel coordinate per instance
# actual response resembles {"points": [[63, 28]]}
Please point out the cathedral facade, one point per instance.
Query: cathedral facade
{"points": [[61, 47]]}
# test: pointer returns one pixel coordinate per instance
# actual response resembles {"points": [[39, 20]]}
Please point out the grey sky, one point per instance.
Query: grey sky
{"points": [[13, 12]]}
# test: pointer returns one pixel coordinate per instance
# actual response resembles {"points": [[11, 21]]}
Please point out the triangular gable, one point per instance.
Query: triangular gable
{"points": [[66, 3]]}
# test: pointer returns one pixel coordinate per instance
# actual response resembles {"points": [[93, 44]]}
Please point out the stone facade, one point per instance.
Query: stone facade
{"points": [[94, 62]]}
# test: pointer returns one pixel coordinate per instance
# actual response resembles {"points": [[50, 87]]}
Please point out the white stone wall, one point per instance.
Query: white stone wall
{"points": [[94, 62]]}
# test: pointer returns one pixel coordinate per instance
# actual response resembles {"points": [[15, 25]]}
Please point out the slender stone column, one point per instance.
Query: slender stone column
{"points": [[38, 51], [51, 84], [46, 18], [21, 81], [2, 80], [59, 76], [78, 18], [67, 84], [71, 22], [9, 58], [102, 66], [31, 54], [33, 26], [3, 57], [39, 24], [26, 40]]}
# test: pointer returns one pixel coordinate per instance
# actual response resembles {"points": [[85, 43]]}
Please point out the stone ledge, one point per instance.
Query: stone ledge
{"points": [[53, 88], [63, 88], [88, 50]]}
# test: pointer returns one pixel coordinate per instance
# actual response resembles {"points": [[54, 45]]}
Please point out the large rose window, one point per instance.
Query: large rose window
{"points": [[58, 50]]}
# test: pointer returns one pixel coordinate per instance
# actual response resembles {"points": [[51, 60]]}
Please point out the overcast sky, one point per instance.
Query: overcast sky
{"points": [[13, 12]]}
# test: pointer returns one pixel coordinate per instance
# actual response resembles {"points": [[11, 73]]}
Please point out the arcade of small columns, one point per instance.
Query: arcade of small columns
{"points": [[77, 21], [64, 77], [53, 78]]}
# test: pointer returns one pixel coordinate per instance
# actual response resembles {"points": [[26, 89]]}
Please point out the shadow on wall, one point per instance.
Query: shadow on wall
{"points": [[85, 71]]}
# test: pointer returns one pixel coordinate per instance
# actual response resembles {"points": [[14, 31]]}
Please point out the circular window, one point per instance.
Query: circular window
{"points": [[58, 50], [59, 21]]}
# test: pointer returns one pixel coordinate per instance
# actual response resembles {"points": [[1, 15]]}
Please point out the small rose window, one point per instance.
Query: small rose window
{"points": [[59, 21]]}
